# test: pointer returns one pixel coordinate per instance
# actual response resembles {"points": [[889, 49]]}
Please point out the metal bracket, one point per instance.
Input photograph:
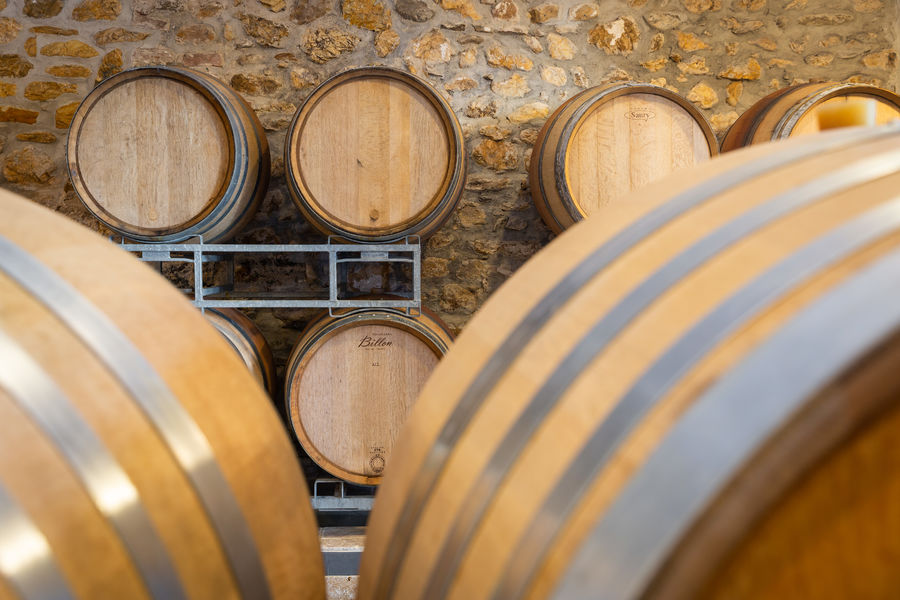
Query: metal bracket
{"points": [[408, 250], [337, 502]]}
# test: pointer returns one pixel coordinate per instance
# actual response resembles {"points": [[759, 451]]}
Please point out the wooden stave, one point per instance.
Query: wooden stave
{"points": [[421, 432], [664, 596], [813, 464], [773, 117], [235, 204], [176, 513], [43, 578], [431, 219], [427, 327], [534, 172], [558, 220], [740, 132], [853, 449], [806, 443], [248, 341], [546, 173]]}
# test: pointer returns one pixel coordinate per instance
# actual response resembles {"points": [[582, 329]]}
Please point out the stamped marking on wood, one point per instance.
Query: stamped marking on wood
{"points": [[376, 460], [640, 114], [376, 340]]}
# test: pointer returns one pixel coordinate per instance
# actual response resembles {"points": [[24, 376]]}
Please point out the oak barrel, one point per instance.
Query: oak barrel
{"points": [[693, 397], [138, 458], [608, 141], [791, 111], [166, 153], [375, 154], [248, 341], [351, 380]]}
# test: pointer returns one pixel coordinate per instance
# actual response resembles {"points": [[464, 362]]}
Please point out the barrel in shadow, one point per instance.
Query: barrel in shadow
{"points": [[248, 341], [375, 154], [165, 153], [138, 458], [695, 397], [608, 141], [351, 381], [793, 111]]}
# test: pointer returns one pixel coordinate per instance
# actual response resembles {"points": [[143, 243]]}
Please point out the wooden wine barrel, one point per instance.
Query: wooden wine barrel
{"points": [[694, 397], [791, 111], [138, 459], [375, 154], [165, 153], [608, 141], [350, 382], [248, 341]]}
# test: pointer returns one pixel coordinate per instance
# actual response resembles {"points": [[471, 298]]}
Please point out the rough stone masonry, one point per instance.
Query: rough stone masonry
{"points": [[504, 66]]}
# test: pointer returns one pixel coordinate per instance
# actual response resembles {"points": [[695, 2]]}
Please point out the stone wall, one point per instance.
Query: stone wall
{"points": [[503, 65]]}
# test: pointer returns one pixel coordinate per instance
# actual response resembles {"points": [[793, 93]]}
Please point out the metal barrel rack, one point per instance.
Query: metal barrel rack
{"points": [[224, 295]]}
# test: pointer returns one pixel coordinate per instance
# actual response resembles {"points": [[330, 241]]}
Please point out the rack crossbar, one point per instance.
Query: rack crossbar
{"points": [[406, 252]]}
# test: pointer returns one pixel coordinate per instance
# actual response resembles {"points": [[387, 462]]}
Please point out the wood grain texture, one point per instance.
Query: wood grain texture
{"points": [[627, 143], [154, 153], [842, 513], [162, 153], [798, 104], [849, 502], [248, 341], [389, 146], [369, 388], [608, 141], [350, 383], [502, 535], [206, 376], [375, 153]]}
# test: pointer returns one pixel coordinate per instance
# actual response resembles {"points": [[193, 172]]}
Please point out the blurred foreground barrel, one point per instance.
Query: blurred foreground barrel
{"points": [[697, 396], [375, 154], [608, 141], [248, 341], [164, 153], [351, 381], [138, 459], [791, 111]]}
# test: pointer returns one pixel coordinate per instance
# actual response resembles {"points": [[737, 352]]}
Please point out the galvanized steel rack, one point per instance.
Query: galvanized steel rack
{"points": [[338, 499], [337, 508], [407, 250]]}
